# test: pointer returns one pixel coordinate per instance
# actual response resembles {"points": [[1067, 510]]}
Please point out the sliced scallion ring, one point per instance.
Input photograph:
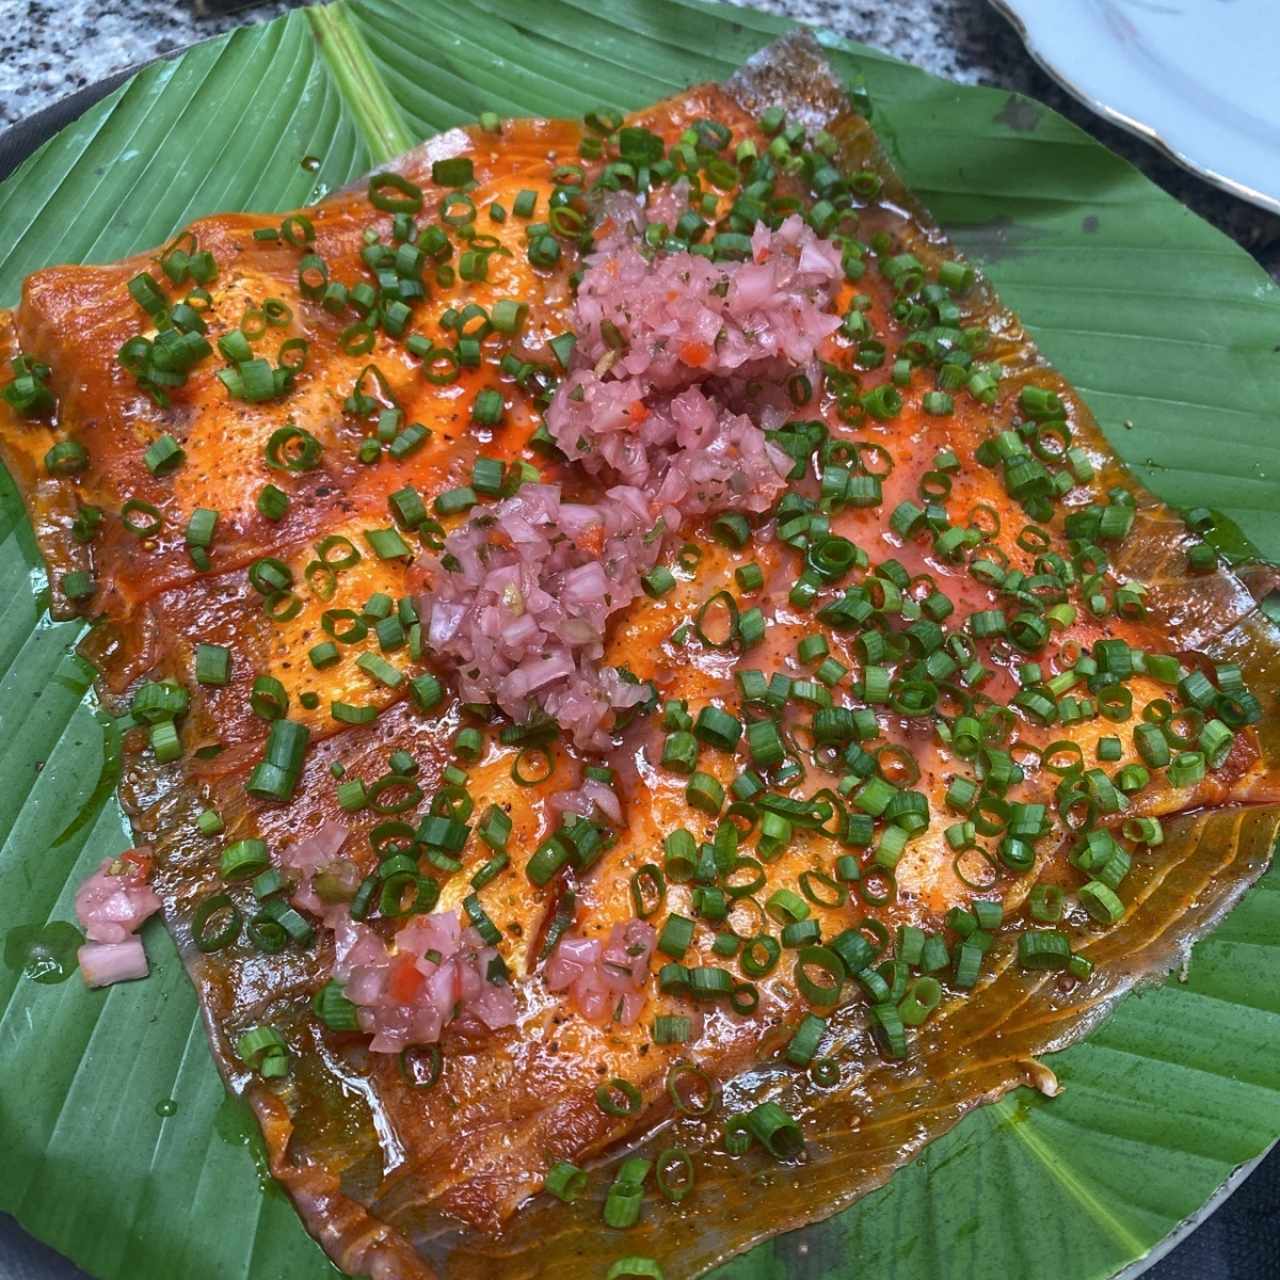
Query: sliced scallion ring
{"points": [[145, 528], [720, 629], [533, 765], [685, 1082], [673, 1172], [618, 1097], [206, 932]]}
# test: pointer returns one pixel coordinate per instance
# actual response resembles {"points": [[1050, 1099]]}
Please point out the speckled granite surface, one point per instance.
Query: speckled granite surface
{"points": [[52, 48]]}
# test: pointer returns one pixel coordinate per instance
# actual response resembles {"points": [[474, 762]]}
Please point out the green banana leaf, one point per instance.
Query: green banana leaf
{"points": [[121, 1149]]}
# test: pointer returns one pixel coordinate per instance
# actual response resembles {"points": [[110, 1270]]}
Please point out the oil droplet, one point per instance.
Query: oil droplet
{"points": [[311, 163], [166, 1107], [44, 953]]}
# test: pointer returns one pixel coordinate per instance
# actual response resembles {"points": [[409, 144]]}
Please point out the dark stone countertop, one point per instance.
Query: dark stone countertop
{"points": [[52, 48]]}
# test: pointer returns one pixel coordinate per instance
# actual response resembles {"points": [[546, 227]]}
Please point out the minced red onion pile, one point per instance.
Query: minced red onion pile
{"points": [[673, 355]]}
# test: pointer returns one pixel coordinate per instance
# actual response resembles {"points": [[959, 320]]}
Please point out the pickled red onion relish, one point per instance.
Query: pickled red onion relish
{"points": [[654, 405]]}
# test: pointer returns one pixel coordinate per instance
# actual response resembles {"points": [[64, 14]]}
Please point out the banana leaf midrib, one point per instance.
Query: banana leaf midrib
{"points": [[379, 119]]}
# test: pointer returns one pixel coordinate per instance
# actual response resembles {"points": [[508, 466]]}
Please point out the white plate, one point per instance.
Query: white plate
{"points": [[1199, 78]]}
